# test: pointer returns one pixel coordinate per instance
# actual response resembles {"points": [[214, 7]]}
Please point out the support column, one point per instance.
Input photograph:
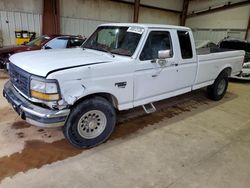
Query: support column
{"points": [[184, 12], [136, 11], [51, 17], [248, 29]]}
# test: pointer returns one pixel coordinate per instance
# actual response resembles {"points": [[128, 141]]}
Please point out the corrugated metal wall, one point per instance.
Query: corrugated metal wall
{"points": [[149, 15], [235, 18], [88, 14], [77, 26], [11, 21], [215, 35], [85, 17]]}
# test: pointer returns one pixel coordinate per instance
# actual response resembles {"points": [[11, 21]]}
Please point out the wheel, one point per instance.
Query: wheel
{"points": [[90, 123], [218, 89]]}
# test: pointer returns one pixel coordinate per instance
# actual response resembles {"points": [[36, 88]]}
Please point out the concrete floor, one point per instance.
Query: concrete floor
{"points": [[189, 142]]}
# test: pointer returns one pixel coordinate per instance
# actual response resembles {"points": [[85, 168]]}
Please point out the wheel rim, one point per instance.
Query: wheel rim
{"points": [[221, 87], [92, 124]]}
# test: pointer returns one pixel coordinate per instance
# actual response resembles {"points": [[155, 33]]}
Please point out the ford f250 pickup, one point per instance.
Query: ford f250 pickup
{"points": [[120, 66]]}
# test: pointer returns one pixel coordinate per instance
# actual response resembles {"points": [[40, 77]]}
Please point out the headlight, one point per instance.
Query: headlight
{"points": [[44, 89], [246, 65]]}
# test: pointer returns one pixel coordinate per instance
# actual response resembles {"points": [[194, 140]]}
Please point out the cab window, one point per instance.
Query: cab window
{"points": [[185, 44], [157, 40]]}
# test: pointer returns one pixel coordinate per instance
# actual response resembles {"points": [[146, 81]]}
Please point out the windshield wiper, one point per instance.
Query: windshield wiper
{"points": [[106, 50], [99, 49]]}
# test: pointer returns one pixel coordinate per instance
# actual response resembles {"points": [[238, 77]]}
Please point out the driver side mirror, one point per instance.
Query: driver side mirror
{"points": [[164, 54]]}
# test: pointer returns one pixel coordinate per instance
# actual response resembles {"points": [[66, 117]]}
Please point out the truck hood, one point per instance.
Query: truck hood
{"points": [[42, 62]]}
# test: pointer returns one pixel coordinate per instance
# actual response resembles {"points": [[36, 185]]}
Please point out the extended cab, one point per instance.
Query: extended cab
{"points": [[120, 66]]}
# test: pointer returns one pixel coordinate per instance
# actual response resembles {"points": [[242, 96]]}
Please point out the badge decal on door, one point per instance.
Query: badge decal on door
{"points": [[121, 84]]}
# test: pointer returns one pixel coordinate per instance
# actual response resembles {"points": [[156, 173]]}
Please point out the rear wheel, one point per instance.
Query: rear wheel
{"points": [[90, 123], [218, 89]]}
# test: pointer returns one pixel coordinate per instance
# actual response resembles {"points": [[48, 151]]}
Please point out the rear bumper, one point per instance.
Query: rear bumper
{"points": [[32, 113], [244, 74]]}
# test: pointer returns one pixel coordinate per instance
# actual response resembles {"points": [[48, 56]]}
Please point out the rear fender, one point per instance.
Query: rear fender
{"points": [[228, 68]]}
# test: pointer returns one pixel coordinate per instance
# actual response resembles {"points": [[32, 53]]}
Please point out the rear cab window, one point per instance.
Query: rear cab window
{"points": [[185, 44]]}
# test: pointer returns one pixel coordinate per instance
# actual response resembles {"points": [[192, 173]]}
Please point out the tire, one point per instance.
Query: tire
{"points": [[90, 123], [217, 91]]}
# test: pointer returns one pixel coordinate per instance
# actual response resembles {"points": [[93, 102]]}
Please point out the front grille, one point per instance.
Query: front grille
{"points": [[20, 79]]}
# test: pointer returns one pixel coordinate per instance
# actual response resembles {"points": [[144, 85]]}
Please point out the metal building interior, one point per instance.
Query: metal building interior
{"points": [[190, 141]]}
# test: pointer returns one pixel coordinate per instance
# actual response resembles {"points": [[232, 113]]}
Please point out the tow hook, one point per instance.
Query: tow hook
{"points": [[22, 114]]}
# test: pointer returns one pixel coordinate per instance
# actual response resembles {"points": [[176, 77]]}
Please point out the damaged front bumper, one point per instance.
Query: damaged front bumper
{"points": [[33, 114]]}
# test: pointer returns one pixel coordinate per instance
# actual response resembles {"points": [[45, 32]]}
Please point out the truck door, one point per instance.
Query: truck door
{"points": [[152, 80]]}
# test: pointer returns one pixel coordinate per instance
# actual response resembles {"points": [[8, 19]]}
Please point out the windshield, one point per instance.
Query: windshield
{"points": [[38, 41], [114, 39]]}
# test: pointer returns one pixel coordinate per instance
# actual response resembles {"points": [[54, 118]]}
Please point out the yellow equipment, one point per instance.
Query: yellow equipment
{"points": [[23, 37]]}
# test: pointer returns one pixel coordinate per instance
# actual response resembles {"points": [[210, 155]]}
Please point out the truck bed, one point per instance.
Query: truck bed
{"points": [[204, 51], [212, 63]]}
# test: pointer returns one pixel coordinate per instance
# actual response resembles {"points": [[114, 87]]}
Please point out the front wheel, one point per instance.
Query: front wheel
{"points": [[90, 123], [218, 89]]}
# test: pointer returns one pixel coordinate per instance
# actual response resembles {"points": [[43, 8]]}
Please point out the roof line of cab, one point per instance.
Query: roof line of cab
{"points": [[149, 26]]}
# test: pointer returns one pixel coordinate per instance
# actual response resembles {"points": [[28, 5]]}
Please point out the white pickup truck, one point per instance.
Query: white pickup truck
{"points": [[120, 66]]}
